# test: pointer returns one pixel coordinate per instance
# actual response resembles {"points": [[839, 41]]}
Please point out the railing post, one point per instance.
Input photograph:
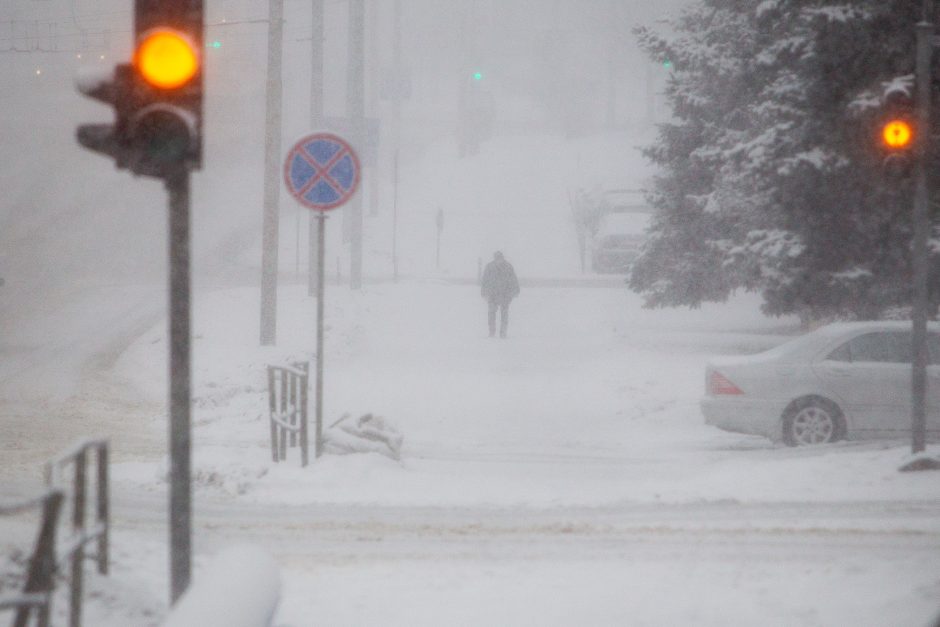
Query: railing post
{"points": [[103, 509], [272, 408], [302, 413], [282, 445], [78, 526], [43, 563], [293, 408]]}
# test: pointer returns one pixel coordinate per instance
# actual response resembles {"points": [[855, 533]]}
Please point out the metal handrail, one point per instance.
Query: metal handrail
{"points": [[82, 534], [36, 595], [287, 405]]}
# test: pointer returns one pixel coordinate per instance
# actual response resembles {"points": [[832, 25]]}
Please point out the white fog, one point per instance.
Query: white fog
{"points": [[594, 434]]}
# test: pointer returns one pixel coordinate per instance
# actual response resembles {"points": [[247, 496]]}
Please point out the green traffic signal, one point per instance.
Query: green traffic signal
{"points": [[478, 76], [215, 44]]}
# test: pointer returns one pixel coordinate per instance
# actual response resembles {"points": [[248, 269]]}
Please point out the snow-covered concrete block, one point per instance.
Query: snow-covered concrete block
{"points": [[239, 588]]}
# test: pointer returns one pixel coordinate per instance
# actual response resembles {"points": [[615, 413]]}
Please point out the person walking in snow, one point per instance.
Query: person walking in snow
{"points": [[499, 286]]}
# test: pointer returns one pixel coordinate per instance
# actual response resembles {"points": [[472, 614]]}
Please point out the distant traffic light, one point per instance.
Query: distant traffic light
{"points": [[478, 76], [897, 131], [157, 98]]}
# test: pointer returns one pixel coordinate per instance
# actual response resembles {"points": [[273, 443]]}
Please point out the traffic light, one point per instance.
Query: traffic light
{"points": [[157, 98], [897, 133]]}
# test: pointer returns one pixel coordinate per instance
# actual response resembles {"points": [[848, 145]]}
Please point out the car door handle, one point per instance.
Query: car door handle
{"points": [[838, 371]]}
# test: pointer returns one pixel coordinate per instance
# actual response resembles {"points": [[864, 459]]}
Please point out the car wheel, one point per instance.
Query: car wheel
{"points": [[812, 421]]}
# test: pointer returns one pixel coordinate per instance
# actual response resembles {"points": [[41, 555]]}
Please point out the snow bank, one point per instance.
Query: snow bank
{"points": [[239, 588]]}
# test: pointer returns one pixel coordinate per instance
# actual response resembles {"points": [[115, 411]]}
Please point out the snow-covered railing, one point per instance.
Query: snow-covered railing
{"points": [[36, 596], [239, 588], [77, 456], [287, 404]]}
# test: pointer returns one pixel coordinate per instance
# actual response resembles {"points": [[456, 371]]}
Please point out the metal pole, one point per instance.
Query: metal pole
{"points": [[318, 427], [371, 62], [177, 185], [297, 247], [304, 438], [396, 124], [272, 179], [395, 222], [78, 528], [921, 224], [440, 229], [316, 114], [613, 56], [355, 109], [103, 509]]}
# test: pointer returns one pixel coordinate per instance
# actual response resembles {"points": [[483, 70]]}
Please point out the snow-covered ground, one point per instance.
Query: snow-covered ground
{"points": [[590, 401], [561, 476]]}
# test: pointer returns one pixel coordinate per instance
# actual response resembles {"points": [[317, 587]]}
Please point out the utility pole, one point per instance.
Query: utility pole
{"points": [[316, 115], [613, 56], [373, 93], [272, 175], [921, 224], [398, 73], [355, 110], [439, 222]]}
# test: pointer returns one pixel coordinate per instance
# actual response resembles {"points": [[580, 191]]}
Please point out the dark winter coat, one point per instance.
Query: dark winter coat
{"points": [[499, 281]]}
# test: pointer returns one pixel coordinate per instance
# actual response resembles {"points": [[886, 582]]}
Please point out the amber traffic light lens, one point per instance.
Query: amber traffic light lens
{"points": [[897, 134], [166, 59]]}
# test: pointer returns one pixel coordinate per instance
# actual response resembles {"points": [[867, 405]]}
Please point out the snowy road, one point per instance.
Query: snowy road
{"points": [[560, 477], [709, 564]]}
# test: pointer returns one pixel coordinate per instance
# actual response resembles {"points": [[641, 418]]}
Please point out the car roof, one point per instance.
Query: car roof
{"points": [[839, 328], [810, 345]]}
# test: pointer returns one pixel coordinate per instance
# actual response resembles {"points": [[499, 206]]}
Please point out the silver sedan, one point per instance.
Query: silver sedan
{"points": [[843, 381]]}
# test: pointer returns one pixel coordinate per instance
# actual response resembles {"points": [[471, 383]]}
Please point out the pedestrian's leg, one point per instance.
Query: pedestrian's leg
{"points": [[491, 317], [503, 318]]}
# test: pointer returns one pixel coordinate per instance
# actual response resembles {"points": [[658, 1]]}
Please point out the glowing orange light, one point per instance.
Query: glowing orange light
{"points": [[897, 134], [166, 59]]}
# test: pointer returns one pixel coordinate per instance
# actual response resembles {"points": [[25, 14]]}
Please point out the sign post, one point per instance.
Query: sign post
{"points": [[322, 172]]}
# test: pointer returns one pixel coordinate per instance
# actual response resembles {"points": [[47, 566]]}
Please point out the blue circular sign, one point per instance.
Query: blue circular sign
{"points": [[322, 171]]}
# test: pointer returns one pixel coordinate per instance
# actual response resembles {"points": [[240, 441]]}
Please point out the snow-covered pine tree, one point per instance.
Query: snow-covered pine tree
{"points": [[770, 180], [685, 259]]}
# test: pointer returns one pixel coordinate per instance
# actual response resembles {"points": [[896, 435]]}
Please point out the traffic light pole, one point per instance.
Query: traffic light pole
{"points": [[921, 226], [177, 185]]}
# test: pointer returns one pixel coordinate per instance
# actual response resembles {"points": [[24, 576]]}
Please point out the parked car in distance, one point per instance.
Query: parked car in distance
{"points": [[847, 380], [615, 252], [618, 242]]}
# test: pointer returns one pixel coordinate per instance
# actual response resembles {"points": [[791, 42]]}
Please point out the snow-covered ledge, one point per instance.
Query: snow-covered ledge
{"points": [[239, 588]]}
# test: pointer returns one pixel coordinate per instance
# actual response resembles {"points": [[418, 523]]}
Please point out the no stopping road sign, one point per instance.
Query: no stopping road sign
{"points": [[322, 171]]}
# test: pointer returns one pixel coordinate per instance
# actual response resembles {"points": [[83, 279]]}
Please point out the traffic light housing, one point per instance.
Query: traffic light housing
{"points": [[897, 131], [157, 98]]}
